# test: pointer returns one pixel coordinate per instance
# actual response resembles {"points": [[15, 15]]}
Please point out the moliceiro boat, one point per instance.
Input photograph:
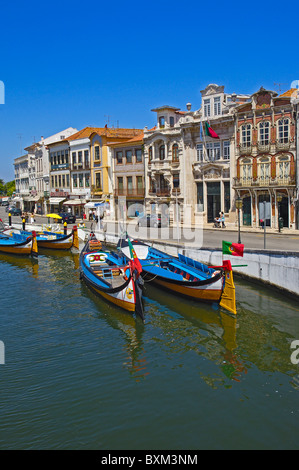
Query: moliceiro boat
{"points": [[18, 244], [57, 241], [184, 276], [110, 278]]}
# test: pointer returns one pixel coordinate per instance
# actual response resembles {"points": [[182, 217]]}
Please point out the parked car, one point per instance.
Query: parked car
{"points": [[152, 220], [66, 217], [14, 211]]}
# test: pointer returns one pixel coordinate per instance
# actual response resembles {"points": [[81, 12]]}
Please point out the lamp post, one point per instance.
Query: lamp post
{"points": [[239, 204], [278, 199]]}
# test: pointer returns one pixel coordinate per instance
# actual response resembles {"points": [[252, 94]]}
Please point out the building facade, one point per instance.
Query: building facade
{"points": [[266, 160], [128, 177]]}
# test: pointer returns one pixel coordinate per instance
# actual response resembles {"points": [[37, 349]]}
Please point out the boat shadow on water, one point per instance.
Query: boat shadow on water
{"points": [[134, 359]]}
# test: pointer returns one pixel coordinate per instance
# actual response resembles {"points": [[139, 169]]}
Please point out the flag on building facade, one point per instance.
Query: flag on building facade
{"points": [[235, 249], [209, 131]]}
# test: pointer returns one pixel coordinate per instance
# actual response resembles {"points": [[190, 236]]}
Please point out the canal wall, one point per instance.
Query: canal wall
{"points": [[279, 269]]}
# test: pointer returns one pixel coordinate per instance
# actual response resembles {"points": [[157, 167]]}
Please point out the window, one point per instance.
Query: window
{"points": [[150, 154], [56, 183], [75, 183], [264, 170], [226, 196], [129, 184], [80, 180], [217, 106], [58, 158], [161, 122], [226, 150], [246, 170], [138, 154], [80, 156], [119, 157], [217, 151], [129, 156], [66, 156], [86, 158], [175, 153], [63, 181], [283, 168], [139, 184], [171, 121], [97, 152], [67, 181], [162, 152], [246, 135], [264, 132], [283, 131], [74, 157], [207, 108], [199, 152], [87, 180], [176, 180], [120, 183], [213, 151], [200, 200], [62, 156], [98, 180]]}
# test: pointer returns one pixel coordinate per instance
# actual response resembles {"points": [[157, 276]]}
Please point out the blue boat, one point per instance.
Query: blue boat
{"points": [[19, 244], [112, 277], [184, 276]]}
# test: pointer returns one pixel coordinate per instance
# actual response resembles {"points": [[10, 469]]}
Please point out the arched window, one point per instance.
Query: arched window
{"points": [[264, 170], [264, 132], [246, 170], [283, 131], [175, 153], [162, 152], [283, 172], [246, 135]]}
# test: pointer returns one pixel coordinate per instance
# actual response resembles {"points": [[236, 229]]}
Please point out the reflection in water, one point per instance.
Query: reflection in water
{"points": [[132, 331], [29, 263]]}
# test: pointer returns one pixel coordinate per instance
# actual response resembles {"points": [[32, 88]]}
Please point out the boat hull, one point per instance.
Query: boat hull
{"points": [[208, 293], [18, 248]]}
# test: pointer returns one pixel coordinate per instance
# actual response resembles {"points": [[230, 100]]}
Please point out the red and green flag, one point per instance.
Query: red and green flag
{"points": [[209, 131], [235, 249], [135, 261]]}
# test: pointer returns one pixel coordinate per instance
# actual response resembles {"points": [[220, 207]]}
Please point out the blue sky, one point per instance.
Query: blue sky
{"points": [[75, 64]]}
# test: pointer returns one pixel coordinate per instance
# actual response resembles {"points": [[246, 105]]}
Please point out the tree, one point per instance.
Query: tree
{"points": [[10, 187]]}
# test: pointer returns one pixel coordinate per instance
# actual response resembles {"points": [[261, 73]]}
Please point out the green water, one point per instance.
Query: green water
{"points": [[81, 374]]}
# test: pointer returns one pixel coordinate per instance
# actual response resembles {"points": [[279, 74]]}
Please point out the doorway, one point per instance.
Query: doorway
{"points": [[214, 201], [247, 211]]}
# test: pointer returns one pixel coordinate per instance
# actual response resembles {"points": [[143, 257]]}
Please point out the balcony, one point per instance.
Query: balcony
{"points": [[263, 147], [127, 192], [245, 149], [264, 182], [283, 145]]}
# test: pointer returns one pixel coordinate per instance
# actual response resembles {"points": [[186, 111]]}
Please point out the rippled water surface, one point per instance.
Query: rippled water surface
{"points": [[82, 374]]}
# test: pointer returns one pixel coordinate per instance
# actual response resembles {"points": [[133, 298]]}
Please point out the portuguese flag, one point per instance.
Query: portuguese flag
{"points": [[235, 249], [209, 131], [135, 261]]}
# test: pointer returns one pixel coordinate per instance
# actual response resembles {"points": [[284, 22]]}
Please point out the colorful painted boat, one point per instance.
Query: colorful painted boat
{"points": [[56, 241], [184, 276], [18, 244], [110, 278]]}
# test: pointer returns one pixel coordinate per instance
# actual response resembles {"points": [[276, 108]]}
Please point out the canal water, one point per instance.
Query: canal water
{"points": [[81, 374]]}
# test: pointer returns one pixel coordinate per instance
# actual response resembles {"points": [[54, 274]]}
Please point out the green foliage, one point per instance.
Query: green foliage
{"points": [[7, 189]]}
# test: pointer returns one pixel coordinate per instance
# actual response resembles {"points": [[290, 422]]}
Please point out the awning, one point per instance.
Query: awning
{"points": [[75, 202], [17, 198], [56, 200], [91, 204], [35, 198]]}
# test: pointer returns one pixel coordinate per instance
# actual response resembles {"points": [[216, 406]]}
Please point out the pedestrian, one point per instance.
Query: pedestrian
{"points": [[90, 214], [222, 220], [32, 218]]}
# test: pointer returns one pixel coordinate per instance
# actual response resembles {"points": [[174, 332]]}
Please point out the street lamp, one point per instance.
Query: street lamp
{"points": [[239, 205], [278, 199]]}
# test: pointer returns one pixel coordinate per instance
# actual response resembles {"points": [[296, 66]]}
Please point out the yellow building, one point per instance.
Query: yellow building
{"points": [[101, 158]]}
